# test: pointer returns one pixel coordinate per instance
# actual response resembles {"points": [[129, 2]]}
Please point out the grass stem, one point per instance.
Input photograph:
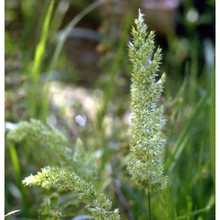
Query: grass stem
{"points": [[149, 205]]}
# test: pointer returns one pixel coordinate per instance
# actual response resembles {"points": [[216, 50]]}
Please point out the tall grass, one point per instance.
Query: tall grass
{"points": [[190, 151], [34, 90]]}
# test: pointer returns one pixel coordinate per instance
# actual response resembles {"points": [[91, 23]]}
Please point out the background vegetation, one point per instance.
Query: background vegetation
{"points": [[78, 81]]}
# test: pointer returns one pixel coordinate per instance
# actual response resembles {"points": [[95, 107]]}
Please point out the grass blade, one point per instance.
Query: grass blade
{"points": [[184, 137], [39, 52]]}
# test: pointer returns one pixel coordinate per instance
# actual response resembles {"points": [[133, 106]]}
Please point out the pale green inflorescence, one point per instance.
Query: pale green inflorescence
{"points": [[59, 178], [147, 143], [51, 146], [63, 181], [49, 143]]}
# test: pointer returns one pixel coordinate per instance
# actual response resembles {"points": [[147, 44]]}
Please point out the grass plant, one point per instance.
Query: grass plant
{"points": [[98, 160]]}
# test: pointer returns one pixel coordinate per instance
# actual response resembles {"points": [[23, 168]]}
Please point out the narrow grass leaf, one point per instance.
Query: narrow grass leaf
{"points": [[15, 161], [61, 40], [209, 205], [183, 138], [39, 53]]}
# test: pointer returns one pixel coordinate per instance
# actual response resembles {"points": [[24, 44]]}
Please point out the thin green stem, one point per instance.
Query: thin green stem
{"points": [[38, 60], [149, 205]]}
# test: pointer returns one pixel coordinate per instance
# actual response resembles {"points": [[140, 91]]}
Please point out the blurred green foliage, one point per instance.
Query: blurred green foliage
{"points": [[188, 60]]}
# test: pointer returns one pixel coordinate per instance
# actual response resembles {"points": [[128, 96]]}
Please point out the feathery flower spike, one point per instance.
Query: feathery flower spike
{"points": [[146, 148]]}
